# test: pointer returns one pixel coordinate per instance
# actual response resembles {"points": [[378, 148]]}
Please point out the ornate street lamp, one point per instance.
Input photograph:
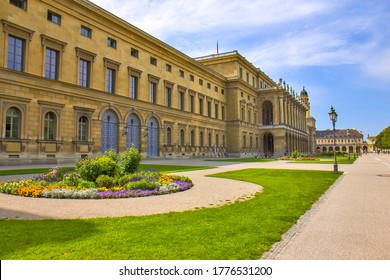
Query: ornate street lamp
{"points": [[349, 155], [333, 118]]}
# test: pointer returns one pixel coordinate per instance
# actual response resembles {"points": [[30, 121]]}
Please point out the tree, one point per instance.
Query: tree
{"points": [[383, 139]]}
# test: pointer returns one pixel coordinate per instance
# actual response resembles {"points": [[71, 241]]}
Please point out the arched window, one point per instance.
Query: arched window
{"points": [[223, 141], [209, 140], [12, 124], [216, 140], [83, 129], [267, 113], [192, 138], [201, 142], [49, 129], [169, 137], [182, 137]]}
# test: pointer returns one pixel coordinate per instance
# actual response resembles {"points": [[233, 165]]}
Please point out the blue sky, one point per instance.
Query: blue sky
{"points": [[338, 49]]}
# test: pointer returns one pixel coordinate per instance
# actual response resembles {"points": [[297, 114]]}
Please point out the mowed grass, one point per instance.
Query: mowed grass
{"points": [[329, 160], [240, 231], [161, 168], [244, 159]]}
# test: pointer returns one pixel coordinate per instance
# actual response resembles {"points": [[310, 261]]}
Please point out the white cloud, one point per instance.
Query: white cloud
{"points": [[271, 34], [167, 17]]}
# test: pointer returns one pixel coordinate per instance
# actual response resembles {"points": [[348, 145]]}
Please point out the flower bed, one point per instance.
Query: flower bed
{"points": [[107, 176], [42, 186]]}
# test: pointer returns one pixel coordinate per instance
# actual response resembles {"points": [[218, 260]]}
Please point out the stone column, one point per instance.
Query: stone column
{"points": [[276, 120]]}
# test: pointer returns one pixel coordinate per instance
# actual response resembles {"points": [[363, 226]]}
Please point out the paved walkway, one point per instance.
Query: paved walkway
{"points": [[350, 222]]}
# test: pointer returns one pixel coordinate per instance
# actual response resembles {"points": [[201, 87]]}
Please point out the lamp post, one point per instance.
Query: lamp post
{"points": [[349, 155], [333, 118]]}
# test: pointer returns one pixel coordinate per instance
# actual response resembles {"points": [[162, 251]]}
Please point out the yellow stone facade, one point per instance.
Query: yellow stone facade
{"points": [[347, 140], [75, 81]]}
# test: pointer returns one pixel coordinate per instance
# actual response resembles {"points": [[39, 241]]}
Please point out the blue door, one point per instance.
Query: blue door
{"points": [[152, 137], [133, 132], [109, 131]]}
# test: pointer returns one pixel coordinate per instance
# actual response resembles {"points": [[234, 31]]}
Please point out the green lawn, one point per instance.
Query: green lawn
{"points": [[329, 160], [244, 159], [172, 168], [161, 168], [244, 230]]}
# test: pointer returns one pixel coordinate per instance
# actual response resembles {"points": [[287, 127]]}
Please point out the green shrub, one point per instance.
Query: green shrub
{"points": [[297, 154], [107, 166], [129, 160], [72, 179], [111, 153], [91, 169], [105, 181], [142, 185], [87, 169], [86, 184], [125, 179]]}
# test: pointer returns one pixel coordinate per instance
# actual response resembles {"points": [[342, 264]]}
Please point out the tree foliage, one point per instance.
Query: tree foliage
{"points": [[383, 139]]}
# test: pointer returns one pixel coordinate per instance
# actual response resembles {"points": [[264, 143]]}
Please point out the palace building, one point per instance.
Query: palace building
{"points": [[75, 81], [347, 140]]}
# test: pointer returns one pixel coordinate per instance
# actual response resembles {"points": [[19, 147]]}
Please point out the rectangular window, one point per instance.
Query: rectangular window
{"points": [[53, 17], [181, 101], [12, 124], [152, 92], [216, 89], [201, 106], [111, 42], [223, 112], [19, 3], [181, 73], [192, 105], [85, 31], [83, 129], [134, 87], [216, 111], [208, 85], [51, 65], [110, 80], [168, 96], [209, 108], [200, 82], [134, 53], [168, 67], [16, 47], [153, 61], [84, 73], [192, 78]]}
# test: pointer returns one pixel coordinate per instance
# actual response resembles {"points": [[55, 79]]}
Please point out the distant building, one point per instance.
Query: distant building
{"points": [[371, 143], [347, 140]]}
